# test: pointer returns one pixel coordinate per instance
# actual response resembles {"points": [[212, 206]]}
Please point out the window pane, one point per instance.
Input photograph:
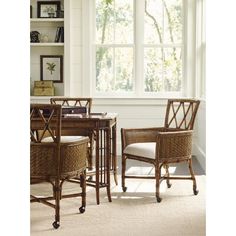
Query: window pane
{"points": [[153, 25], [124, 21], [124, 69], [104, 21], [104, 68], [153, 70], [162, 69], [172, 69], [172, 21], [114, 70], [114, 21], [163, 21]]}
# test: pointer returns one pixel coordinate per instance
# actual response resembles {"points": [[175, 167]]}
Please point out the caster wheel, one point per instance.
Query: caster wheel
{"points": [[90, 178], [82, 209], [55, 224], [195, 191], [169, 185], [158, 199], [124, 189]]}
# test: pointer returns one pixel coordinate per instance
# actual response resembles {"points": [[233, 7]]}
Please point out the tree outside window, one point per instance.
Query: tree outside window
{"points": [[116, 49]]}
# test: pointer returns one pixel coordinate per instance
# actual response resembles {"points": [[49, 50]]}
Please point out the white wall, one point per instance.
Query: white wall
{"points": [[199, 147]]}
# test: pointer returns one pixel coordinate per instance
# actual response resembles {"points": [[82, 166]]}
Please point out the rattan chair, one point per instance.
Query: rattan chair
{"points": [[83, 103], [162, 146], [55, 158], [74, 102]]}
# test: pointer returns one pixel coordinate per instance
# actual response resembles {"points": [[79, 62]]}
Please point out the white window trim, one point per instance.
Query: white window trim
{"points": [[189, 73]]}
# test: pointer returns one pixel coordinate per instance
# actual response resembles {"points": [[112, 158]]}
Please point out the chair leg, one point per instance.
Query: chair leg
{"points": [[158, 175], [168, 175], [83, 186], [57, 194], [195, 191], [90, 156], [123, 173], [114, 168]]}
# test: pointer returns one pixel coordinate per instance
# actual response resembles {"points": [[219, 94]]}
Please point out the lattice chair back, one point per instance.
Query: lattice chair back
{"points": [[45, 121], [73, 102], [181, 113]]}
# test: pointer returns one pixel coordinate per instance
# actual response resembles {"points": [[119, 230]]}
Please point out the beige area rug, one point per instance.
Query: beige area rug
{"points": [[135, 212]]}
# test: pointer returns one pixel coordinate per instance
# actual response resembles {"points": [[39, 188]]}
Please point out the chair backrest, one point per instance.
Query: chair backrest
{"points": [[181, 113], [73, 102], [45, 120]]}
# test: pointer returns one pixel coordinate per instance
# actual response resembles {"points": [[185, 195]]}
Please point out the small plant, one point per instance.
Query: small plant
{"points": [[51, 67]]}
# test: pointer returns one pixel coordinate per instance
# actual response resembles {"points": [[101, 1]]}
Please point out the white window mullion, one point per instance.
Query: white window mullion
{"points": [[88, 49], [139, 49], [163, 51], [190, 42]]}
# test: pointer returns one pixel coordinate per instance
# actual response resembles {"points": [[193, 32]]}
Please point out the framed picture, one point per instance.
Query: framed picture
{"points": [[48, 9], [51, 68]]}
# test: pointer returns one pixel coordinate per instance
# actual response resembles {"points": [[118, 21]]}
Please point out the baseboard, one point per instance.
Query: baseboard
{"points": [[200, 156]]}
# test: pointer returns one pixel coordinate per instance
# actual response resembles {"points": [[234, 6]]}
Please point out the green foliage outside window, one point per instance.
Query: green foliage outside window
{"points": [[162, 46]]}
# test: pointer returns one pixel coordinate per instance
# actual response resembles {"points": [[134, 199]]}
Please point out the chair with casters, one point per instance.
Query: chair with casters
{"points": [[162, 146], [55, 158], [85, 104]]}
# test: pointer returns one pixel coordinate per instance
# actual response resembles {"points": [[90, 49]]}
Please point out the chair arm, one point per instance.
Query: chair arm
{"points": [[175, 146], [139, 135]]}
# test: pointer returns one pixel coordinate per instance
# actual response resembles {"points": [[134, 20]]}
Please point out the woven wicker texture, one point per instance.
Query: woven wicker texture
{"points": [[78, 102], [172, 146], [173, 142], [54, 161]]}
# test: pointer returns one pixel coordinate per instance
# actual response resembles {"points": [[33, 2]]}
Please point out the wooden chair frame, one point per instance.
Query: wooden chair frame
{"points": [[173, 143]]}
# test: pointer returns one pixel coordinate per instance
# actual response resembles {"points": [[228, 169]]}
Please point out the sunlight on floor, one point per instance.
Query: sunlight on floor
{"points": [[147, 170], [135, 185]]}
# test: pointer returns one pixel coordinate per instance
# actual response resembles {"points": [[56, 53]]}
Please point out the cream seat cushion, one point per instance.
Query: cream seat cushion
{"points": [[64, 139], [141, 149]]}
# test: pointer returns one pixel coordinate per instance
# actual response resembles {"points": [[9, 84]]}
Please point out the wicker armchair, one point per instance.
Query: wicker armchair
{"points": [[161, 146], [55, 158], [83, 103]]}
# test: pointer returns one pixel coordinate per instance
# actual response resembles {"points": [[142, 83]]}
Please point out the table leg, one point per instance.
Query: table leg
{"points": [[108, 158], [114, 156], [97, 166]]}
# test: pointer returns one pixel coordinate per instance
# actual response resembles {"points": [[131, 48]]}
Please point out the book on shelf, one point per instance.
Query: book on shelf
{"points": [[62, 35], [59, 35]]}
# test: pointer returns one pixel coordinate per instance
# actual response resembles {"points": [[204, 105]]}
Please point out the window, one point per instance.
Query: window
{"points": [[139, 47]]}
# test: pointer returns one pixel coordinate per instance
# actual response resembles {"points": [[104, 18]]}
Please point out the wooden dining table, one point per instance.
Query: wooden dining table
{"points": [[103, 126]]}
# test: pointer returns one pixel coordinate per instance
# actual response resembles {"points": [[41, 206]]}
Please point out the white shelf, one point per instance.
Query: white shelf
{"points": [[47, 20], [47, 44], [48, 28]]}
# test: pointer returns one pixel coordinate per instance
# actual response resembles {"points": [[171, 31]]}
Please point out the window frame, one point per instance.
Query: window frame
{"points": [[188, 61]]}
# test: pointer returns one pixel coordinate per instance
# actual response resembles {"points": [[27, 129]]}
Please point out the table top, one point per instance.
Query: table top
{"points": [[91, 116]]}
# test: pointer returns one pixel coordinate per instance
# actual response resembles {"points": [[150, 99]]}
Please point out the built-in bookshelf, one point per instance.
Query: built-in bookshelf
{"points": [[50, 35]]}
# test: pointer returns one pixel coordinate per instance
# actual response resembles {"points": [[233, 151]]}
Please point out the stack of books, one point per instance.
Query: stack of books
{"points": [[59, 35]]}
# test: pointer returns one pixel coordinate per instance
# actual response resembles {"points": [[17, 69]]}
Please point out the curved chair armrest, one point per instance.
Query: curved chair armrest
{"points": [[139, 135], [175, 145]]}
